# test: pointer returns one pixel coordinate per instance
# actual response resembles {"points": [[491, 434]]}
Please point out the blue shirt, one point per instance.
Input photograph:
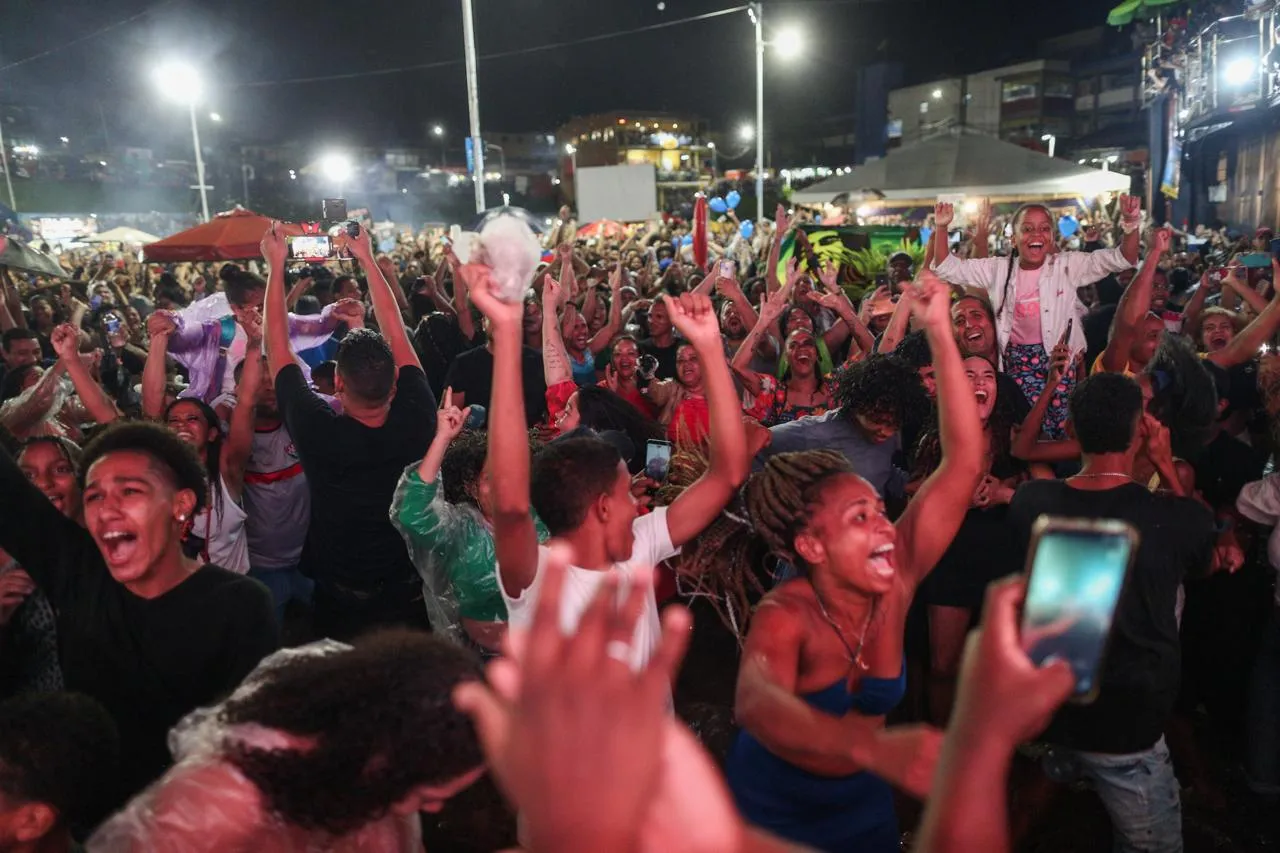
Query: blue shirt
{"points": [[873, 462]]}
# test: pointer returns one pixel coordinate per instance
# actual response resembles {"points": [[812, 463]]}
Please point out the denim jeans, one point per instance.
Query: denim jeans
{"points": [[1140, 794], [1262, 763], [285, 585]]}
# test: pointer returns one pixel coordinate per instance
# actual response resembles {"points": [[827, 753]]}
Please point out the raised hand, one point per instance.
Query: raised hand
{"points": [[982, 219], [481, 289], [360, 246], [274, 246], [1162, 240], [774, 305], [351, 312], [944, 213], [1003, 697], [836, 300], [563, 710], [552, 294], [1130, 207], [932, 303], [66, 341], [611, 378], [388, 267], [450, 419], [828, 275], [161, 324], [695, 318], [1157, 442], [250, 319], [782, 222]]}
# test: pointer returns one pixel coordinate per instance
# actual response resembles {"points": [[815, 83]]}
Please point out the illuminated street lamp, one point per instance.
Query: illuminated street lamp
{"points": [[787, 43], [336, 167], [181, 83], [438, 132]]}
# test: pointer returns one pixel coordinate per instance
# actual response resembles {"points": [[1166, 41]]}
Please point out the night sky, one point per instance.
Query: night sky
{"points": [[706, 67]]}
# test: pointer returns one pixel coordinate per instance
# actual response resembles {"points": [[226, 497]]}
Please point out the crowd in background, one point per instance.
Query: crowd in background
{"points": [[235, 498]]}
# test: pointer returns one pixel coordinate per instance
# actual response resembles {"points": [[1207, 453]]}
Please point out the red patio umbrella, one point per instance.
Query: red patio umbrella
{"points": [[234, 235], [605, 228]]}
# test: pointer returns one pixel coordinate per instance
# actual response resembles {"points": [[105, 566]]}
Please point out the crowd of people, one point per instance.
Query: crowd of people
{"points": [[290, 554]]}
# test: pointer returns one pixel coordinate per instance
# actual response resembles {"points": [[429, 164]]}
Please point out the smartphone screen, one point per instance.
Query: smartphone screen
{"points": [[1077, 571], [728, 269], [309, 248], [657, 459], [1256, 260]]}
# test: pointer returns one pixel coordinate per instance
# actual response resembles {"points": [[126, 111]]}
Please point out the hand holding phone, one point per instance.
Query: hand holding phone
{"points": [[657, 460], [1077, 570]]}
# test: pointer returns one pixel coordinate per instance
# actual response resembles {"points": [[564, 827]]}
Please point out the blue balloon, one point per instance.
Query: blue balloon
{"points": [[686, 240], [747, 228], [1068, 225], [732, 198], [925, 234], [717, 205]]}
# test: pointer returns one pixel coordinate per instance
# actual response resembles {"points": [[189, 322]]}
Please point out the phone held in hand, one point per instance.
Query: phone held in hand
{"points": [[1066, 333], [1076, 571], [657, 459], [728, 269], [310, 247], [1256, 261]]}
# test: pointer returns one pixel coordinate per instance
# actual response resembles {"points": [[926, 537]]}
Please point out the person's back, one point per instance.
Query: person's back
{"points": [[353, 461], [1139, 682]]}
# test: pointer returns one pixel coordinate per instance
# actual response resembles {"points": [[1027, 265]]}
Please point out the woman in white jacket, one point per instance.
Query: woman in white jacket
{"points": [[1033, 294]]}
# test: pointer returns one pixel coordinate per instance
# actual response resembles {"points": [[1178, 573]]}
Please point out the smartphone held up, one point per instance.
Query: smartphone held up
{"points": [[1076, 571]]}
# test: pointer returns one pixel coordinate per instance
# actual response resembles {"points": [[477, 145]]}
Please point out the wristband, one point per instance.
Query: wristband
{"points": [[1129, 226]]}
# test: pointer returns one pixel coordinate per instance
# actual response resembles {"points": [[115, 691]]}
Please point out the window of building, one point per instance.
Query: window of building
{"points": [[1059, 89], [924, 107], [1018, 91]]}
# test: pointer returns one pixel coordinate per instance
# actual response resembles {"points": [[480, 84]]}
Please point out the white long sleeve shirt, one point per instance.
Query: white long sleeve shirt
{"points": [[1060, 277]]}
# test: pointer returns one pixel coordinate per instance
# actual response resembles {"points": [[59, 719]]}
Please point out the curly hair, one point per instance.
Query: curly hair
{"points": [[882, 386], [463, 464], [157, 442], [780, 497], [61, 749], [926, 456], [381, 720], [69, 449], [1184, 396], [1104, 409], [914, 350]]}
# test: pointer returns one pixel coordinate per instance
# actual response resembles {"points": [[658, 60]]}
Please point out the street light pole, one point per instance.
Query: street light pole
{"points": [[195, 140], [473, 102], [757, 17]]}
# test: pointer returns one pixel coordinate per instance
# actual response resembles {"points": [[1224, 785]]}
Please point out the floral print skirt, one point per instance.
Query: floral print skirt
{"points": [[1028, 365]]}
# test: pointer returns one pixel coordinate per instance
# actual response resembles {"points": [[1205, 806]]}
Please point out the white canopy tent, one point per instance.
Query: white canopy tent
{"points": [[123, 234], [962, 164]]}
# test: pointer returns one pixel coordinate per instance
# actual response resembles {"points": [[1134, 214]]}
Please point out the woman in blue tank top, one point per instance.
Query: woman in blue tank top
{"points": [[823, 662]]}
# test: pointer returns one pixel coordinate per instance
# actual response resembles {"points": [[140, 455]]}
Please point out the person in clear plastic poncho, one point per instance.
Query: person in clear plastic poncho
{"points": [[442, 508], [325, 747]]}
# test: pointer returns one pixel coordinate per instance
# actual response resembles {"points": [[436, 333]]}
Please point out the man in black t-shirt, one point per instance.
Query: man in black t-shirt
{"points": [[471, 378], [1117, 742], [353, 461], [661, 343]]}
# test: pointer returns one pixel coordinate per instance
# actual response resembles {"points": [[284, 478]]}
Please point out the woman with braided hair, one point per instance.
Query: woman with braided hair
{"points": [[823, 661], [1034, 292]]}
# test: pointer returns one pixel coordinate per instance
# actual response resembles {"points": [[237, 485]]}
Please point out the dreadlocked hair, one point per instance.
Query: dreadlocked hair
{"points": [[1184, 397], [779, 497], [725, 562]]}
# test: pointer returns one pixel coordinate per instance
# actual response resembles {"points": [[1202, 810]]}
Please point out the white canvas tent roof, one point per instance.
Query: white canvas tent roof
{"points": [[968, 164], [123, 234]]}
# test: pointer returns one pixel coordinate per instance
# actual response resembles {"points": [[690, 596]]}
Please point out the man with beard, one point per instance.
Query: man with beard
{"points": [[975, 330]]}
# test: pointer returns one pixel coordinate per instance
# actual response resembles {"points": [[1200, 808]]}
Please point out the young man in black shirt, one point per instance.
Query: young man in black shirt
{"points": [[471, 378], [1117, 742], [353, 461], [147, 632]]}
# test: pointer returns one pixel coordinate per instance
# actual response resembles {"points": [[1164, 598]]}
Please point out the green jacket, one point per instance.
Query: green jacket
{"points": [[453, 550]]}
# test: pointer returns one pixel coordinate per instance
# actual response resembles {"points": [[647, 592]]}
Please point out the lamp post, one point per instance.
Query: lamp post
{"points": [[181, 83], [711, 146], [473, 101], [787, 43], [1052, 140]]}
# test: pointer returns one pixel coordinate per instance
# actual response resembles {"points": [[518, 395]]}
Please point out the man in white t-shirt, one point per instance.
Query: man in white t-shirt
{"points": [[581, 489]]}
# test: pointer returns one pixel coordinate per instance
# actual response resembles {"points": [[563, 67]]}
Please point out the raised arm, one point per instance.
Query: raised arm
{"points": [[385, 305], [981, 230], [1135, 304], [239, 444], [600, 340], [781, 225], [1131, 223], [66, 343], [934, 515], [155, 370], [555, 359], [514, 535], [771, 308], [1191, 314], [275, 326], [898, 323], [462, 302], [1245, 345], [299, 289], [1027, 445], [699, 504], [11, 299]]}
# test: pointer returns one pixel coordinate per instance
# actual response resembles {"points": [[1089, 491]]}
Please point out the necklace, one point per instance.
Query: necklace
{"points": [[854, 653], [1104, 474]]}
